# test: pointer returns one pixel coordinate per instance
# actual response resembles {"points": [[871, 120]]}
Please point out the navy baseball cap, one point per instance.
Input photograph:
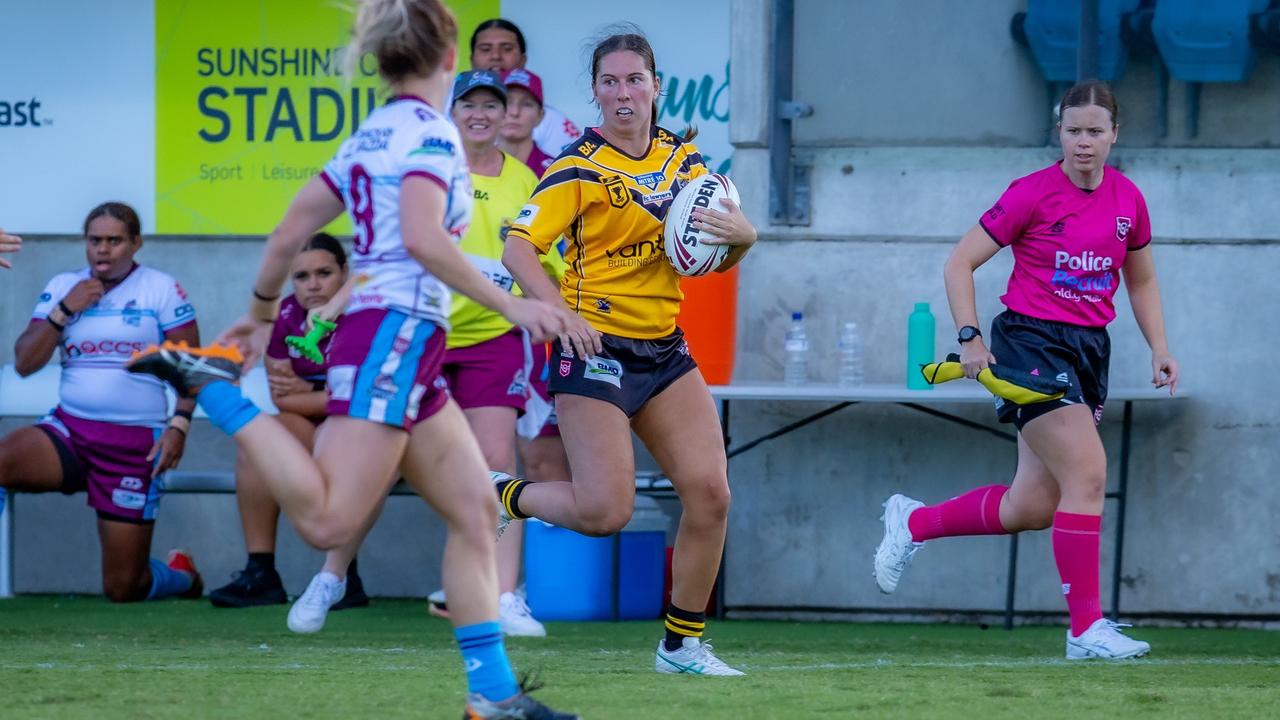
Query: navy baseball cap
{"points": [[476, 79]]}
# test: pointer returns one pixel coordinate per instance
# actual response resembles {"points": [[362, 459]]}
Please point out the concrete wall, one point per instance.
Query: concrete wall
{"points": [[908, 148]]}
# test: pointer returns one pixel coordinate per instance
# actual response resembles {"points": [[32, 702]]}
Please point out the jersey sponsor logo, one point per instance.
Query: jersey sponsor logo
{"points": [[665, 138], [131, 483], [1123, 225], [996, 212], [128, 499], [636, 254], [103, 347], [587, 147], [367, 141], [618, 195], [1098, 277], [651, 180], [45, 297], [433, 146], [184, 311], [604, 370], [527, 214], [655, 198], [480, 195]]}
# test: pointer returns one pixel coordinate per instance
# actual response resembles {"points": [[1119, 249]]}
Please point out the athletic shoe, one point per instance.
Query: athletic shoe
{"points": [[436, 604], [250, 587], [186, 368], [355, 597], [504, 519], [693, 657], [309, 611], [182, 561], [515, 617], [896, 548], [1104, 640], [520, 707]]}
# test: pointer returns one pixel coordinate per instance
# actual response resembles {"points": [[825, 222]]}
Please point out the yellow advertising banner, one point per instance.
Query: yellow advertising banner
{"points": [[251, 101]]}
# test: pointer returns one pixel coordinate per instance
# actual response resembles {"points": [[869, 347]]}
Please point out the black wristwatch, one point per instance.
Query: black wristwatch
{"points": [[967, 333]]}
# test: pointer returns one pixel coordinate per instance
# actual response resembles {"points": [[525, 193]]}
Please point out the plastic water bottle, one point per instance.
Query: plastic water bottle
{"points": [[850, 347], [796, 369], [920, 329]]}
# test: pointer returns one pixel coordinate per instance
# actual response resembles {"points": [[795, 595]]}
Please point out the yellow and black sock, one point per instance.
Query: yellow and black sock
{"points": [[682, 624], [509, 495]]}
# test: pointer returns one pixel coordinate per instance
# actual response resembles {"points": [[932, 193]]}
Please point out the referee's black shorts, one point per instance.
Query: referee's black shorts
{"points": [[1076, 354]]}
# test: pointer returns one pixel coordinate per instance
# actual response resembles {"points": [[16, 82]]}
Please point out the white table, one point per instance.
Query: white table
{"points": [[959, 392]]}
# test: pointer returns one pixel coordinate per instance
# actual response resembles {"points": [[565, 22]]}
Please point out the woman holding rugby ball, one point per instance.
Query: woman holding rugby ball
{"points": [[623, 365], [1073, 226]]}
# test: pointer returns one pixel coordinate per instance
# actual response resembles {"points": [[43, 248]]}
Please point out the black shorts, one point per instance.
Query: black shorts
{"points": [[627, 372], [1076, 354]]}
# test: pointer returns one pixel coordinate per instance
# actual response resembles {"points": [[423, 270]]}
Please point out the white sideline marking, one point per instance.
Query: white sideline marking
{"points": [[1047, 662]]}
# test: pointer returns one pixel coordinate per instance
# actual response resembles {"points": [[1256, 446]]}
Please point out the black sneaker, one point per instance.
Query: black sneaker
{"points": [[250, 588], [355, 597], [520, 707], [186, 368]]}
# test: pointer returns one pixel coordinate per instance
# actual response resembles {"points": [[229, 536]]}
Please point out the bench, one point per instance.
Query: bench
{"points": [[36, 395]]}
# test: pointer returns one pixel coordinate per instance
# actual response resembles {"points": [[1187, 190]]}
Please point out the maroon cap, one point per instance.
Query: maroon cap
{"points": [[520, 77]]}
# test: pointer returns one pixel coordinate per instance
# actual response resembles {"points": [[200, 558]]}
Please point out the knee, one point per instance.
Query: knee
{"points": [[327, 535], [605, 521], [707, 499], [123, 588], [1090, 486]]}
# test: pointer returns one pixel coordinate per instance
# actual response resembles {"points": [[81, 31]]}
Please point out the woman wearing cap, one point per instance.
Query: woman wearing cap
{"points": [[524, 112], [623, 365], [499, 45], [1073, 226]]}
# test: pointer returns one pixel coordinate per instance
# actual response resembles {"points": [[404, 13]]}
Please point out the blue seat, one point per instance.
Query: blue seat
{"points": [[1206, 41], [1052, 28]]}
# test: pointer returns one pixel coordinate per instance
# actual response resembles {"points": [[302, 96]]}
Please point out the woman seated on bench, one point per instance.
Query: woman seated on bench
{"points": [[298, 390], [111, 433]]}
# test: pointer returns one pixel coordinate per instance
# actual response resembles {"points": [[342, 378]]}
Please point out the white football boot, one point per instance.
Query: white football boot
{"points": [[516, 619], [1103, 640], [503, 518], [310, 610], [896, 548], [693, 657]]}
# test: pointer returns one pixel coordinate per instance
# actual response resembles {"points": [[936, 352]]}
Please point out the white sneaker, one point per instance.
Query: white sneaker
{"points": [[503, 518], [1104, 640], [516, 619], [694, 657], [309, 611], [437, 604], [896, 548]]}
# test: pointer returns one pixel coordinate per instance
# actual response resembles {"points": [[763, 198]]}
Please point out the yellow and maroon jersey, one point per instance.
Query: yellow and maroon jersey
{"points": [[610, 206]]}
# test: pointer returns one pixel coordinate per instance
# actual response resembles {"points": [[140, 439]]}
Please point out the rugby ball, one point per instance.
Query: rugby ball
{"points": [[686, 251]]}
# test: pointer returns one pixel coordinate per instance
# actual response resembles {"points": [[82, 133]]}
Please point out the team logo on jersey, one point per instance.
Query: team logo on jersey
{"points": [[566, 366], [1123, 224], [618, 195], [130, 314]]}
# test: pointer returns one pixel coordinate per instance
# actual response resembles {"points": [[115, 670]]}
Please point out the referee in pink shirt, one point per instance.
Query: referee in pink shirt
{"points": [[1072, 226]]}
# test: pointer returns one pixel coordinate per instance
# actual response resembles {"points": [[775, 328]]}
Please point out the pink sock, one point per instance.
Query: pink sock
{"points": [[976, 512], [1075, 548]]}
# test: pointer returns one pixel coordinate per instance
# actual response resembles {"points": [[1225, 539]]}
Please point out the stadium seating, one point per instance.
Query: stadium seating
{"points": [[1052, 30], [1206, 41]]}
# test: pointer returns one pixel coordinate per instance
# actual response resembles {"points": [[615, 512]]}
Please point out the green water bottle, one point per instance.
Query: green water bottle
{"points": [[919, 345]]}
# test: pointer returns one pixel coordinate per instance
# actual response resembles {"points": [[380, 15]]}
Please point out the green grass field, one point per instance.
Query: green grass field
{"points": [[81, 657]]}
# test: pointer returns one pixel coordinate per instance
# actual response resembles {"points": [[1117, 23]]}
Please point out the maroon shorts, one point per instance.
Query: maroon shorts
{"points": [[488, 374], [108, 460], [384, 367], [539, 376]]}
